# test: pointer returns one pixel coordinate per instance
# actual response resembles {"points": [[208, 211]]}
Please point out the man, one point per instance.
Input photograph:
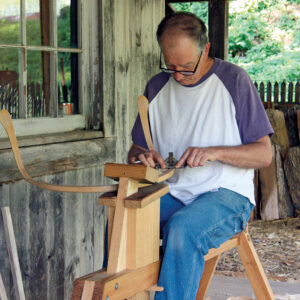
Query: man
{"points": [[208, 113]]}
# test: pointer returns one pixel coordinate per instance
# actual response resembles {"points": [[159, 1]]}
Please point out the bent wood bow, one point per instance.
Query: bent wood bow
{"points": [[7, 123], [143, 105]]}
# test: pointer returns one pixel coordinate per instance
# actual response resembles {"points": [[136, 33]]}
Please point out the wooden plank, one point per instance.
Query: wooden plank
{"points": [[142, 198], [254, 270], [134, 171], [3, 295], [209, 269], [146, 195], [116, 285], [233, 242], [108, 199], [143, 279], [13, 253], [49, 159], [298, 122], [117, 250], [218, 28]]}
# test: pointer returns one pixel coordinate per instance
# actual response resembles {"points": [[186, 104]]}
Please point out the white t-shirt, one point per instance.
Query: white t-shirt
{"points": [[222, 109]]}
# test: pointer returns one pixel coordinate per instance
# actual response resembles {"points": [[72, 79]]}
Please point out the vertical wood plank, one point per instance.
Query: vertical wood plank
{"points": [[276, 92], [107, 77], [3, 295], [283, 92], [13, 253], [262, 92], [290, 92], [269, 94], [218, 28], [297, 93]]}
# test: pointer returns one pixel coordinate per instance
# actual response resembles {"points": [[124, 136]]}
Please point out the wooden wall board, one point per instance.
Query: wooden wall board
{"points": [[59, 236], [54, 158]]}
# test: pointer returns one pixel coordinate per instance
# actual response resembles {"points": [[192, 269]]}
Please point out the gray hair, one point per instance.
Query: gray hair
{"points": [[185, 22]]}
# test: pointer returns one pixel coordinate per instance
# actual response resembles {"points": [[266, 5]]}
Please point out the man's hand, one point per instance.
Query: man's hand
{"points": [[148, 158], [196, 156]]}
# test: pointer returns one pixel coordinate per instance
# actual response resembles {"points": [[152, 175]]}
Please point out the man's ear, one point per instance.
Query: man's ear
{"points": [[207, 47]]}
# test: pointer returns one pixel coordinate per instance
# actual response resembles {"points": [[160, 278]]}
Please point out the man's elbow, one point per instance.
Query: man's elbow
{"points": [[266, 153], [268, 160]]}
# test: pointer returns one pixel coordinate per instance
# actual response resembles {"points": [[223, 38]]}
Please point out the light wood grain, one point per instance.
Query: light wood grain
{"points": [[142, 198], [254, 269], [209, 268], [3, 295], [143, 105], [117, 250], [13, 253], [131, 171]]}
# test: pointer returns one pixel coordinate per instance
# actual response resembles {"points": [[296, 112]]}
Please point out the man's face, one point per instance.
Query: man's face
{"points": [[181, 53]]}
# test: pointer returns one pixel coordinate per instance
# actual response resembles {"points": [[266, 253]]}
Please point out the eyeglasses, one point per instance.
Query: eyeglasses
{"points": [[172, 71]]}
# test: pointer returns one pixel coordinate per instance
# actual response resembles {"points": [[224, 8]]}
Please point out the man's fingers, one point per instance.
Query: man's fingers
{"points": [[183, 159]]}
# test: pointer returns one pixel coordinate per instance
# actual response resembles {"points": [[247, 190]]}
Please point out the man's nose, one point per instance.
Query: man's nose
{"points": [[178, 76]]}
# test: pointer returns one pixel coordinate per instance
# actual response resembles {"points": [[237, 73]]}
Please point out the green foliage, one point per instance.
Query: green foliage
{"points": [[264, 37], [198, 8], [10, 32]]}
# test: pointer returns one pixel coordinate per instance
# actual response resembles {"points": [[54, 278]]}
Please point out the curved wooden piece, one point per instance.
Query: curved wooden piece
{"points": [[143, 105], [6, 121]]}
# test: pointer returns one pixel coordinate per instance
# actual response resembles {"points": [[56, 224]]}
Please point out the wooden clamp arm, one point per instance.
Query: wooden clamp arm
{"points": [[6, 121], [142, 198]]}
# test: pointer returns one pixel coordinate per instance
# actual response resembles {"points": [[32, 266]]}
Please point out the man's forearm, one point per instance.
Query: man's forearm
{"points": [[254, 155]]}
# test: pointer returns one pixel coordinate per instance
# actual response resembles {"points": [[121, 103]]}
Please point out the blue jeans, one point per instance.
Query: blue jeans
{"points": [[190, 231]]}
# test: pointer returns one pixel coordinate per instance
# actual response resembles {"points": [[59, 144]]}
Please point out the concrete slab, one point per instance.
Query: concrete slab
{"points": [[223, 287]]}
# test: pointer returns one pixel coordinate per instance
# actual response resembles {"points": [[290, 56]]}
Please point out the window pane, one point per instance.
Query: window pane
{"points": [[9, 93], [35, 16], [38, 84], [9, 22], [67, 36], [68, 82]]}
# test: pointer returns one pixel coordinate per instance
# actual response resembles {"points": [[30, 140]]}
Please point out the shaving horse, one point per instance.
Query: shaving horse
{"points": [[133, 230]]}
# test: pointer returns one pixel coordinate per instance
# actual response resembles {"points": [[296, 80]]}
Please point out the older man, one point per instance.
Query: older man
{"points": [[208, 113]]}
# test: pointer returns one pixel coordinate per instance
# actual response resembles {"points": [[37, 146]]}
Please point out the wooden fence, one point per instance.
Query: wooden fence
{"points": [[279, 94], [9, 100], [272, 95]]}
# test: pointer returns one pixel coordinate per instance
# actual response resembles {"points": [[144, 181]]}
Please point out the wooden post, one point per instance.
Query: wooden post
{"points": [[3, 295], [13, 253], [218, 28]]}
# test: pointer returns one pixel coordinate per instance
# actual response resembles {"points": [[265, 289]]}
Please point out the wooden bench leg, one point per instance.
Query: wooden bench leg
{"points": [[254, 270], [209, 269]]}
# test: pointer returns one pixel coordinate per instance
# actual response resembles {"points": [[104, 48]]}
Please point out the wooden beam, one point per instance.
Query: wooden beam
{"points": [[131, 171], [209, 269], [13, 253], [100, 284], [142, 198], [218, 28], [254, 269]]}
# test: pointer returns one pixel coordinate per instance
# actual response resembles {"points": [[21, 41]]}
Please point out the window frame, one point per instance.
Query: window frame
{"points": [[53, 123]]}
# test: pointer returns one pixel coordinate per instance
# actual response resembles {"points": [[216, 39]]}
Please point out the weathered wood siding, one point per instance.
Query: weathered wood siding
{"points": [[130, 58], [60, 236]]}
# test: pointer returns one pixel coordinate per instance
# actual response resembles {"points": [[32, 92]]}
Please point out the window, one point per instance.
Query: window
{"points": [[40, 56]]}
